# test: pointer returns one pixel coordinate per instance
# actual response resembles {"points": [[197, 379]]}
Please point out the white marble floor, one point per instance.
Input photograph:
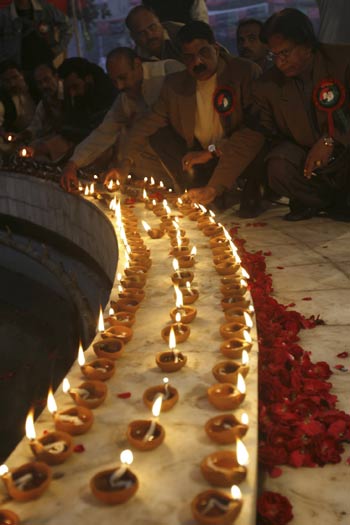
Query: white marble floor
{"points": [[314, 260]]}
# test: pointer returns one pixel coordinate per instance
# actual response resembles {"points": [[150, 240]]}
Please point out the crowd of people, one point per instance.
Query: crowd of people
{"points": [[272, 122]]}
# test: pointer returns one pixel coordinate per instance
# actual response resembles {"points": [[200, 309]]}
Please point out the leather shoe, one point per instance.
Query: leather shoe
{"points": [[300, 215]]}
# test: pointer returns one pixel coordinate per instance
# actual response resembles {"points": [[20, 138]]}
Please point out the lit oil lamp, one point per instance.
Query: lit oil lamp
{"points": [[187, 313], [52, 448], [153, 233], [133, 281], [227, 371], [136, 270], [169, 393], [214, 507], [212, 230], [134, 293], [233, 348], [124, 318], [73, 420], [225, 467], [172, 360], [89, 394], [225, 429], [118, 331], [237, 301], [189, 295], [126, 305], [187, 261], [226, 396], [115, 486], [110, 348], [232, 329], [182, 331], [181, 277], [99, 369], [237, 314], [178, 251], [25, 153], [26, 482], [178, 241], [7, 517], [147, 434]]}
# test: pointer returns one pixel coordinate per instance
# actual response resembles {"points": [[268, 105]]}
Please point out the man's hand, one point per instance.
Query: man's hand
{"points": [[69, 180], [204, 195], [318, 157], [195, 157], [120, 173]]}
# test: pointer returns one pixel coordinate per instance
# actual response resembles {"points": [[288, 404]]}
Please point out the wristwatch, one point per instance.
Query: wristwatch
{"points": [[215, 153]]}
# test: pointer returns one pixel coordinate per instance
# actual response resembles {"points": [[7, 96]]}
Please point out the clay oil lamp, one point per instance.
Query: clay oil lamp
{"points": [[140, 262], [52, 448], [225, 256], [232, 330], [147, 434], [172, 360], [10, 138], [189, 295], [182, 331], [236, 314], [25, 153], [89, 394], [136, 270], [234, 289], [176, 251], [214, 507], [133, 293], [187, 261], [170, 395], [195, 214], [212, 229], [26, 482], [153, 233], [179, 241], [225, 429], [226, 396], [234, 348], [227, 371], [110, 348], [220, 241], [7, 517], [99, 369], [126, 305], [73, 420], [120, 318], [142, 251], [236, 301], [133, 281], [187, 313], [227, 267], [176, 231], [181, 277], [115, 486], [225, 467], [122, 332]]}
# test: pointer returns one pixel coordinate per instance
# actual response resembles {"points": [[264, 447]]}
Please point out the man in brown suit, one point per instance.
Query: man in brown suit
{"points": [[195, 136], [302, 105]]}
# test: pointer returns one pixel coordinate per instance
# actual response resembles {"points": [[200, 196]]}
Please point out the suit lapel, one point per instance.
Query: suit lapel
{"points": [[320, 72], [294, 111], [187, 110]]}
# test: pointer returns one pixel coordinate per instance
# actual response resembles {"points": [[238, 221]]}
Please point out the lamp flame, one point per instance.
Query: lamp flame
{"points": [[176, 265], [126, 457], [236, 492], [92, 188], [157, 405], [111, 311], [178, 317], [179, 297], [101, 324], [81, 357], [245, 273], [242, 453], [66, 385], [248, 320], [146, 226], [245, 358], [30, 429], [247, 336], [3, 470], [172, 339], [193, 251], [86, 191], [51, 403], [244, 418], [241, 386]]}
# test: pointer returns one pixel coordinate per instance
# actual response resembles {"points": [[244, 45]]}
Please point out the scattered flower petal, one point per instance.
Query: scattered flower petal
{"points": [[342, 355], [307, 299], [124, 395], [79, 448]]}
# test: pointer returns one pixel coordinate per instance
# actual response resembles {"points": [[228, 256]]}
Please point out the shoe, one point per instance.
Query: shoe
{"points": [[300, 215], [250, 209]]}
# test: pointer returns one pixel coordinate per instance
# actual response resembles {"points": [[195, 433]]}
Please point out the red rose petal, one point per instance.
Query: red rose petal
{"points": [[275, 472], [341, 368], [280, 267], [124, 395], [267, 254], [307, 299], [79, 449], [348, 461], [343, 354]]}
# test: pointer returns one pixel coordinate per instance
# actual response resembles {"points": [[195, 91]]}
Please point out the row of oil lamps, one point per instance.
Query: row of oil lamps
{"points": [[118, 485]]}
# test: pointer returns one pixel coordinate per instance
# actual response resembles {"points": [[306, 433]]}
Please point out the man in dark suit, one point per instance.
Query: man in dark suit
{"points": [[302, 106]]}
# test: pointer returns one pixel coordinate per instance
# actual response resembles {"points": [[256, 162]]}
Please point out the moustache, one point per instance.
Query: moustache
{"points": [[200, 68]]}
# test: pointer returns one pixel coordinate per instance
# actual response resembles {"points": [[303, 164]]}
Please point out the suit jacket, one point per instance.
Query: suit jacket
{"points": [[176, 107], [279, 109]]}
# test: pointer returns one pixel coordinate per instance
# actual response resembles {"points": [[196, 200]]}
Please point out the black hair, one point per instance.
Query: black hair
{"points": [[293, 25], [193, 30], [249, 21], [48, 65], [80, 66], [134, 11], [126, 52], [7, 64]]}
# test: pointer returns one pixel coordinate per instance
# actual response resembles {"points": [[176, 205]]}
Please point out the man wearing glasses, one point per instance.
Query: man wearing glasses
{"points": [[195, 133], [302, 106]]}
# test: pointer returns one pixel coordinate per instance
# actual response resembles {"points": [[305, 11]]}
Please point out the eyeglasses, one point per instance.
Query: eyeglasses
{"points": [[284, 54], [204, 53]]}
